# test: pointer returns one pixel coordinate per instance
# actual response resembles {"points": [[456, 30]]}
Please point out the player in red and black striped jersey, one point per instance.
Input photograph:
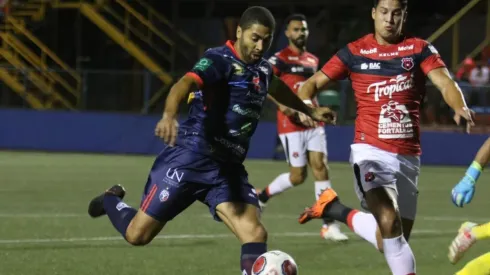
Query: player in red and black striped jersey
{"points": [[303, 145], [388, 71]]}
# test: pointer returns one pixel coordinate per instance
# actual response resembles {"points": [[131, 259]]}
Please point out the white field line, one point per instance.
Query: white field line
{"points": [[266, 216], [189, 237]]}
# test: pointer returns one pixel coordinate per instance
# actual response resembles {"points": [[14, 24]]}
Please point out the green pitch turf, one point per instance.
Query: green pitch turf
{"points": [[44, 227]]}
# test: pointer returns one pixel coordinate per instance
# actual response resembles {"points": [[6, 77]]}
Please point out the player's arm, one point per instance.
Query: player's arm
{"points": [[283, 109], [463, 192], [435, 69], [277, 65], [335, 69], [312, 86], [207, 70], [281, 92], [483, 155], [179, 91], [452, 94]]}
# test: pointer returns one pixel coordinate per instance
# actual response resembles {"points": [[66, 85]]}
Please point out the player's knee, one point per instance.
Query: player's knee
{"points": [[389, 222], [297, 175], [138, 238], [253, 233]]}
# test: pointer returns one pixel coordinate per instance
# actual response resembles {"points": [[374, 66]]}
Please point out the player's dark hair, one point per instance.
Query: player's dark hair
{"points": [[257, 15], [295, 17], [404, 3]]}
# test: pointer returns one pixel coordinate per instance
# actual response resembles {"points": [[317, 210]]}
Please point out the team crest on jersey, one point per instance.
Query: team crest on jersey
{"points": [[256, 82], [407, 63], [369, 176], [164, 195]]}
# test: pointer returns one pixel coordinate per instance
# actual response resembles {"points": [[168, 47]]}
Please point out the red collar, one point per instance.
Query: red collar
{"points": [[231, 45]]}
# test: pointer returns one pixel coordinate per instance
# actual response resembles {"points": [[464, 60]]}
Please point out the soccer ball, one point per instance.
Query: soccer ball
{"points": [[275, 263]]}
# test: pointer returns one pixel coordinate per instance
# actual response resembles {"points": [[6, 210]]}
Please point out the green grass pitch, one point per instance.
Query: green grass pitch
{"points": [[44, 227]]}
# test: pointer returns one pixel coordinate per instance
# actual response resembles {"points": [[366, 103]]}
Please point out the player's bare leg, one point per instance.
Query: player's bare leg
{"points": [[136, 227], [318, 163], [143, 229], [244, 221], [281, 183], [382, 203]]}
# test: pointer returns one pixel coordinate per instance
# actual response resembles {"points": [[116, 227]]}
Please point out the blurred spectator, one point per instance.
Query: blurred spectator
{"points": [[480, 75], [485, 54], [479, 79], [463, 74], [4, 8]]}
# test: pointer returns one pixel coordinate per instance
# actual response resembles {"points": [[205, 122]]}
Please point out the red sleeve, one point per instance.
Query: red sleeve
{"points": [[430, 59], [197, 78], [335, 68]]}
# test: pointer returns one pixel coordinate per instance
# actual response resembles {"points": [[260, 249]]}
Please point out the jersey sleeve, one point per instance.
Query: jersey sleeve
{"points": [[430, 59], [210, 69], [337, 67], [278, 66]]}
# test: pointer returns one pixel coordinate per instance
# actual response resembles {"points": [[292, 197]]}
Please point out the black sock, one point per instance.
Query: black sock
{"points": [[336, 211], [263, 196], [250, 253]]}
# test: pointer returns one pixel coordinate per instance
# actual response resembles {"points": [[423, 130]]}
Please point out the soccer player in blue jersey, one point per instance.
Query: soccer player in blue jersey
{"points": [[203, 158]]}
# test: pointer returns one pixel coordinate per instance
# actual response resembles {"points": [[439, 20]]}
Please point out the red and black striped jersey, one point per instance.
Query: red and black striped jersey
{"points": [[294, 69], [389, 85]]}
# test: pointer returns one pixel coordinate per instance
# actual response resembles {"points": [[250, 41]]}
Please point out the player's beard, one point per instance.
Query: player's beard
{"points": [[299, 42]]}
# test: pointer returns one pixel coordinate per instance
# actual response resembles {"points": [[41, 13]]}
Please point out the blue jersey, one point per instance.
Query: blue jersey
{"points": [[225, 112]]}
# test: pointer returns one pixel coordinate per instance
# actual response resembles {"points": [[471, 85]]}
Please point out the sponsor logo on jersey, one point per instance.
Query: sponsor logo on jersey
{"points": [[370, 51], [371, 66], [406, 48], [389, 54], [237, 69], [398, 84], [203, 64]]}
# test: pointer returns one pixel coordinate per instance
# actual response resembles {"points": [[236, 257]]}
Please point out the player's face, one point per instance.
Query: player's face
{"points": [[297, 33], [389, 17], [254, 42]]}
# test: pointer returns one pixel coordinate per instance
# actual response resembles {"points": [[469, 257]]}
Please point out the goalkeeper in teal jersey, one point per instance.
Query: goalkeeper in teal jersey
{"points": [[470, 232]]}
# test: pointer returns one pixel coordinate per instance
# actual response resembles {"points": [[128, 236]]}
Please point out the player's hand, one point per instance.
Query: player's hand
{"points": [[166, 129], [324, 114], [304, 120], [463, 192], [466, 114]]}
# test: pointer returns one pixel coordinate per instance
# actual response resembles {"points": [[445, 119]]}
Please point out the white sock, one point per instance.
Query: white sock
{"points": [[364, 225], [279, 185], [399, 256], [320, 186]]}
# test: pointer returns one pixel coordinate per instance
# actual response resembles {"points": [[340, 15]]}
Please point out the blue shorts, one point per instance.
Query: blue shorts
{"points": [[179, 177]]}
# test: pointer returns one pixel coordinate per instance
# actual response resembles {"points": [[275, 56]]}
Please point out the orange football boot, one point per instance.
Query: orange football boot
{"points": [[316, 211]]}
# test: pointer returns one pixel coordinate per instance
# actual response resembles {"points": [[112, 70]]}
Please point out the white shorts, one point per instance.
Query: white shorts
{"points": [[374, 167], [297, 145]]}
